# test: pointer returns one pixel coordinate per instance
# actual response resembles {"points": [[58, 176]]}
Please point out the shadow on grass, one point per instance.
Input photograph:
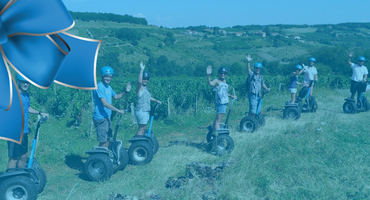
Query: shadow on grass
{"points": [[201, 146], [76, 162]]}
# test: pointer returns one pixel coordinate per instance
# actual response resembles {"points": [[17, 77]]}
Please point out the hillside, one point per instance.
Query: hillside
{"points": [[186, 51]]}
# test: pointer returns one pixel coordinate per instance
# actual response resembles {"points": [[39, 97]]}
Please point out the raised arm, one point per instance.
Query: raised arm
{"points": [[140, 78], [249, 59], [349, 58], [128, 88], [209, 72]]}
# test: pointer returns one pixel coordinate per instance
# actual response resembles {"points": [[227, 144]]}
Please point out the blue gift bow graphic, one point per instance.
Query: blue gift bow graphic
{"points": [[33, 44]]}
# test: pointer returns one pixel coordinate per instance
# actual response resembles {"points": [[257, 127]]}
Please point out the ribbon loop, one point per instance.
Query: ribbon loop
{"points": [[3, 34]]}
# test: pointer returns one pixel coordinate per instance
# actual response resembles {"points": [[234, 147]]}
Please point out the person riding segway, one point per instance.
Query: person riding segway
{"points": [[359, 84], [144, 145], [218, 135], [292, 109], [109, 156], [23, 179], [255, 83]]}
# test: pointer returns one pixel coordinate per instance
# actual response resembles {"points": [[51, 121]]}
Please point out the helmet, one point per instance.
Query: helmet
{"points": [[361, 58], [146, 75], [298, 67], [106, 70], [20, 78], [258, 65], [222, 70], [312, 59]]}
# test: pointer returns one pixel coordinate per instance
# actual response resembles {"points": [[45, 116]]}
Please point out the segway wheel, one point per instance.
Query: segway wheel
{"points": [[209, 137], [261, 119], [18, 187], [291, 113], [313, 105], [140, 153], [248, 124], [222, 145], [123, 161], [155, 143], [98, 167], [349, 107], [300, 106], [366, 104], [41, 177]]}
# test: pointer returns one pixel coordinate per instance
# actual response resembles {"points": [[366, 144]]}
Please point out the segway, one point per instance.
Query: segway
{"points": [[250, 124], [362, 105], [143, 148], [103, 161], [310, 101], [24, 183], [292, 111], [220, 142]]}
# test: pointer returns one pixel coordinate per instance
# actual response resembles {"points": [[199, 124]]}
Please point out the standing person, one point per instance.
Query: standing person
{"points": [[103, 106], [222, 95], [359, 75], [18, 153], [310, 73], [294, 81], [255, 82], [142, 110]]}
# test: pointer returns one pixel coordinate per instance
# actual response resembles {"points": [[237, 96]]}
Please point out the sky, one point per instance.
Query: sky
{"points": [[222, 13]]}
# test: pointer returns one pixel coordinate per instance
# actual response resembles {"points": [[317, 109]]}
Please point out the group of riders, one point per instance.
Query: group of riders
{"points": [[103, 99]]}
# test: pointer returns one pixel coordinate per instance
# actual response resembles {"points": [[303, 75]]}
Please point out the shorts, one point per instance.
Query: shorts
{"points": [[142, 117], [221, 108], [357, 87], [16, 150], [293, 90], [103, 129], [253, 102]]}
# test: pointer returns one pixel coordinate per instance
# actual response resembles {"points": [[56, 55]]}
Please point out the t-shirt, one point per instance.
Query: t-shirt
{"points": [[106, 92], [358, 72], [293, 81], [256, 83], [222, 91], [309, 74], [26, 104]]}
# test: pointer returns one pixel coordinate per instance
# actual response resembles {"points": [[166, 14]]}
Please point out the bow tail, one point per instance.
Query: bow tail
{"points": [[12, 121], [79, 67], [5, 86]]}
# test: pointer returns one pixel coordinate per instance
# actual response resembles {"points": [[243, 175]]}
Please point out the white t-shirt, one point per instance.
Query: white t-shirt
{"points": [[309, 74], [358, 72]]}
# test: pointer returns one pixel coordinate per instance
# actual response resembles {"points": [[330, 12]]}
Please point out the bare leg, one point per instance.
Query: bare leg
{"points": [[104, 144], [311, 90], [293, 97], [218, 120], [22, 160], [12, 163], [141, 129]]}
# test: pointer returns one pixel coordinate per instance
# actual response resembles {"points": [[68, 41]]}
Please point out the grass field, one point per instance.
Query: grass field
{"points": [[323, 155]]}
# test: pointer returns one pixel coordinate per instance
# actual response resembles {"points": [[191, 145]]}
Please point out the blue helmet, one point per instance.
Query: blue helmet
{"points": [[20, 78], [106, 70], [222, 70], [146, 75], [258, 65], [361, 58], [298, 67], [312, 59]]}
